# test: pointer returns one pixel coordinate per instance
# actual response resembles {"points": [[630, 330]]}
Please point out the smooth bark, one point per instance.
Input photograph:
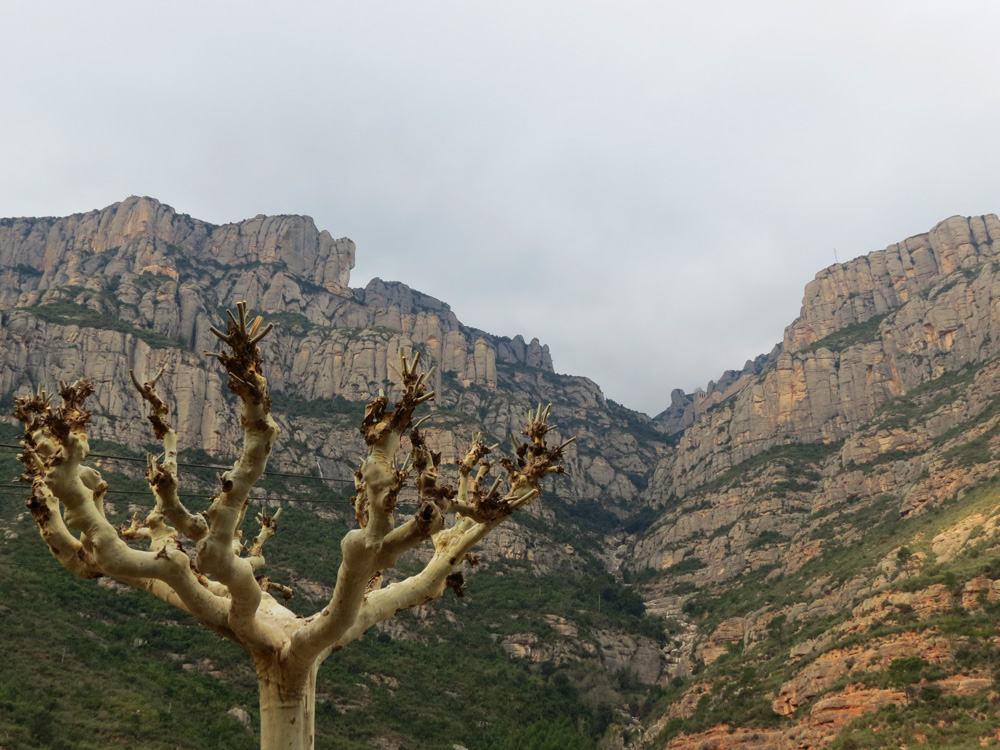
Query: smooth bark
{"points": [[287, 709]]}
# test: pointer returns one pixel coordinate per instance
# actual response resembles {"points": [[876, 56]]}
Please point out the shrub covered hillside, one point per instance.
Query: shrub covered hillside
{"points": [[838, 583], [803, 554]]}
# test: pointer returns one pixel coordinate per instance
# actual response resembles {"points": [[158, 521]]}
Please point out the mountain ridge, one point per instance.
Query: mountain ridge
{"points": [[740, 516]]}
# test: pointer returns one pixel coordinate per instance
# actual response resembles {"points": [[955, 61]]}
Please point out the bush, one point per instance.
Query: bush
{"points": [[687, 565]]}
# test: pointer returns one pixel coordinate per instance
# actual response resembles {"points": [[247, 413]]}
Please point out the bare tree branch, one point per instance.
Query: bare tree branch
{"points": [[162, 475], [218, 552], [358, 601], [268, 527], [55, 446]]}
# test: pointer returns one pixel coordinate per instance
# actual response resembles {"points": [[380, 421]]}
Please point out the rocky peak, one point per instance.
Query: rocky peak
{"points": [[141, 235], [870, 330], [685, 408], [856, 291], [823, 518], [138, 284], [293, 241], [847, 294]]}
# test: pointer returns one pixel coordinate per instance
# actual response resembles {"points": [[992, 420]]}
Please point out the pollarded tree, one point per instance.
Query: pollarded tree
{"points": [[217, 581]]}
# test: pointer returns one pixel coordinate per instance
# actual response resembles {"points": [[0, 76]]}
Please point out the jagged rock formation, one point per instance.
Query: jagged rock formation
{"points": [[685, 408], [137, 284], [870, 330], [875, 284], [823, 521], [157, 271], [820, 393], [744, 513]]}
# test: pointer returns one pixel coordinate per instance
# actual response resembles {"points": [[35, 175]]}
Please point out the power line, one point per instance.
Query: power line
{"points": [[21, 488], [136, 459], [12, 486], [9, 446]]}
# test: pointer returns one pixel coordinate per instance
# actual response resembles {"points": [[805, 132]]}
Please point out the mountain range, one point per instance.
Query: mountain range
{"points": [[803, 554]]}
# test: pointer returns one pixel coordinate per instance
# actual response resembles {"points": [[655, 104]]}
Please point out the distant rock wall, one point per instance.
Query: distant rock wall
{"points": [[143, 234], [686, 408], [874, 284], [870, 330], [142, 265], [137, 285]]}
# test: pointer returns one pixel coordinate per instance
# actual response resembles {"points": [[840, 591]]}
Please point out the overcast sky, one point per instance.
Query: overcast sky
{"points": [[644, 186]]}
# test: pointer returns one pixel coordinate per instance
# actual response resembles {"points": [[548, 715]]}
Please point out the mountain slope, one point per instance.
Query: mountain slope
{"points": [[137, 284], [802, 554], [834, 515]]}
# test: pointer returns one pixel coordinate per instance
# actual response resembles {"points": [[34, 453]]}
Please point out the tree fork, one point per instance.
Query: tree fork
{"points": [[221, 586]]}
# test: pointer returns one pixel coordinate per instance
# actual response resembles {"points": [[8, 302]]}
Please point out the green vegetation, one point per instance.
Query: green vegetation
{"points": [[738, 700], [106, 668], [586, 514], [687, 565], [962, 275], [335, 406], [992, 410], [357, 333], [976, 451], [879, 459], [28, 270], [848, 336], [925, 399], [641, 426], [147, 281], [928, 719], [97, 667], [546, 735], [797, 458], [187, 261], [742, 697], [69, 313], [512, 371], [766, 539], [290, 323]]}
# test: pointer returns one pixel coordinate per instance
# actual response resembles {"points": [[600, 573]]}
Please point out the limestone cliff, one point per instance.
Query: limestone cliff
{"points": [[875, 284], [816, 531], [166, 275], [137, 284], [824, 517], [870, 330]]}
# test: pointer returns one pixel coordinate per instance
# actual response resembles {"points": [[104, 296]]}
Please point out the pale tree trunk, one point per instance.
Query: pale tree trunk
{"points": [[287, 709]]}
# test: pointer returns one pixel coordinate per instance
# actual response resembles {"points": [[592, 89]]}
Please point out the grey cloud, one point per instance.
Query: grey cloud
{"points": [[644, 186]]}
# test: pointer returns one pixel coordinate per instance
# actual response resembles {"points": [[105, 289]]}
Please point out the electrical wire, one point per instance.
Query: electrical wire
{"points": [[20, 488], [10, 446]]}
